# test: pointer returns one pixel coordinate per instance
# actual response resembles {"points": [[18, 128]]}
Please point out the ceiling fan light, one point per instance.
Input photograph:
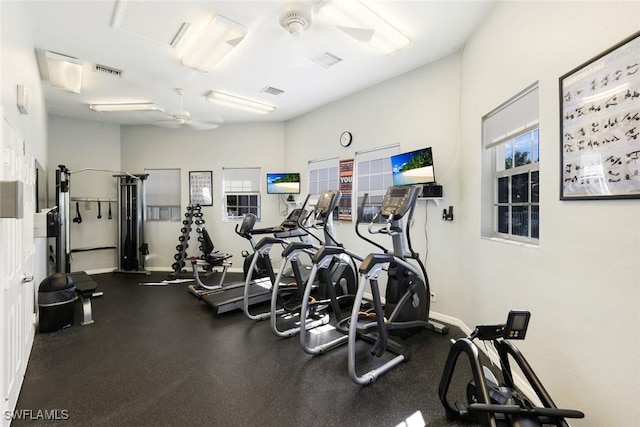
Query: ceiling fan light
{"points": [[207, 41], [350, 15], [120, 107], [239, 103]]}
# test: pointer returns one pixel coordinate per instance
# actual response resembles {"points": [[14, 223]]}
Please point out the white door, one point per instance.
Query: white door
{"points": [[17, 261]]}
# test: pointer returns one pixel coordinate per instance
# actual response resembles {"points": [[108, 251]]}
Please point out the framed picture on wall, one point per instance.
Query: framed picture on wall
{"points": [[600, 125], [200, 189]]}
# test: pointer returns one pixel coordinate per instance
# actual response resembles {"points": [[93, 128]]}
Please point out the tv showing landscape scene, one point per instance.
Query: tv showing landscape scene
{"points": [[414, 167], [283, 183]]}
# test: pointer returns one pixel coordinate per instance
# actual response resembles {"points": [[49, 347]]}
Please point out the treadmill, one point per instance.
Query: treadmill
{"points": [[231, 296]]}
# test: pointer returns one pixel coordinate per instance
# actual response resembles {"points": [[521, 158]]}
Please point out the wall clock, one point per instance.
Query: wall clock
{"points": [[346, 138]]}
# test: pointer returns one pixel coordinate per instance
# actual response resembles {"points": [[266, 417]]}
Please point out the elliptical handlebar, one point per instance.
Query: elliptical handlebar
{"points": [[359, 219], [302, 219]]}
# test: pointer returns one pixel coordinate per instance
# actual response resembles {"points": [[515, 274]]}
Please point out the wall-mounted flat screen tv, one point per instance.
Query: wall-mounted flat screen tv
{"points": [[414, 167], [283, 183]]}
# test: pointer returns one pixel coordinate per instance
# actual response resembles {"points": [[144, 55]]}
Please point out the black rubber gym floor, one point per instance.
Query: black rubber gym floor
{"points": [[156, 355]]}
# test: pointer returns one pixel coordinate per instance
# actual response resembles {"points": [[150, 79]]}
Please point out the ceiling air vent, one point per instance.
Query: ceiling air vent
{"points": [[272, 90], [103, 69], [326, 60]]}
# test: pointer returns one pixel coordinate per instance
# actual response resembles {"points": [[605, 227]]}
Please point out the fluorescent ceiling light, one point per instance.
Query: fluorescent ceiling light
{"points": [[207, 41], [364, 25], [135, 106], [65, 72], [240, 103]]}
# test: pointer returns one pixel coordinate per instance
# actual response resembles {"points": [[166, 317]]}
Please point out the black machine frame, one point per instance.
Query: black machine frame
{"points": [[493, 404]]}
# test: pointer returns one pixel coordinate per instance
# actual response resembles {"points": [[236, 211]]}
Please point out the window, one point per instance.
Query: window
{"points": [[511, 140], [323, 175], [162, 194], [373, 176], [241, 190]]}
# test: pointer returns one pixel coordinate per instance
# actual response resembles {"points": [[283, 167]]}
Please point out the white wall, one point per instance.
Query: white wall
{"points": [[242, 145], [415, 110], [582, 283], [18, 66], [80, 144]]}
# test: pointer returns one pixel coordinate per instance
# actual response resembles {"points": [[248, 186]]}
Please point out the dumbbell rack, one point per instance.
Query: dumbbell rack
{"points": [[193, 215]]}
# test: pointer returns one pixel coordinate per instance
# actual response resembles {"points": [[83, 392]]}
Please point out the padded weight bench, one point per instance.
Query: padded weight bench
{"points": [[85, 289]]}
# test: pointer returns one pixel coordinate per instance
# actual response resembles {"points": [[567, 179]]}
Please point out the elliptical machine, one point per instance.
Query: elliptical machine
{"points": [[495, 404], [286, 301], [406, 308]]}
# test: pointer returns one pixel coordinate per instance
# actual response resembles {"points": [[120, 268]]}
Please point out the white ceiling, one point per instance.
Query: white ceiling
{"points": [[268, 56]]}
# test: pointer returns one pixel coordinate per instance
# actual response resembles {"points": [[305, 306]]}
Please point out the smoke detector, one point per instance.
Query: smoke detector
{"points": [[295, 18]]}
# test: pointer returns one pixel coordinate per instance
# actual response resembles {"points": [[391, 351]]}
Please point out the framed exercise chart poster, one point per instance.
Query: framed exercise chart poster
{"points": [[600, 125], [200, 188]]}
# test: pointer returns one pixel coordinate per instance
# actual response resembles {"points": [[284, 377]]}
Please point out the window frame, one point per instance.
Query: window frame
{"points": [[158, 210], [503, 127], [331, 181], [250, 188], [528, 168], [376, 195]]}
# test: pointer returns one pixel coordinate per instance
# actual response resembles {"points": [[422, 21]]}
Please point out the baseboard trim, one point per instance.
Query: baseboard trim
{"points": [[100, 270]]}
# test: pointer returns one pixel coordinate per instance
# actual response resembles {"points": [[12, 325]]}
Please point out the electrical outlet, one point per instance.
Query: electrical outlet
{"points": [[433, 297]]}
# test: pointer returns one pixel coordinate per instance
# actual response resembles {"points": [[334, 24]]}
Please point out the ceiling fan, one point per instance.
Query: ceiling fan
{"points": [[181, 117]]}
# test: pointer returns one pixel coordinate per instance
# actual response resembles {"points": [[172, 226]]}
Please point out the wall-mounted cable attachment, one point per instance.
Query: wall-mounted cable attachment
{"points": [[447, 215]]}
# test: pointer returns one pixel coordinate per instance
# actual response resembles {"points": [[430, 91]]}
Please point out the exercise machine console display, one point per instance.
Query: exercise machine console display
{"points": [[494, 403], [397, 202]]}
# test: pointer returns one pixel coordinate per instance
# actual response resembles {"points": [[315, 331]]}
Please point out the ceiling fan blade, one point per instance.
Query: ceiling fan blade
{"points": [[172, 124], [198, 125], [361, 34]]}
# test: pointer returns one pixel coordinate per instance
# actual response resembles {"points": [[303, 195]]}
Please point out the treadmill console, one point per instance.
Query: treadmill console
{"points": [[248, 222], [292, 220], [398, 201], [327, 202], [517, 323]]}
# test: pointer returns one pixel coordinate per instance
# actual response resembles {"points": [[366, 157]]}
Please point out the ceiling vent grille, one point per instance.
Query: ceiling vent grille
{"points": [[272, 90], [103, 69], [326, 60]]}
